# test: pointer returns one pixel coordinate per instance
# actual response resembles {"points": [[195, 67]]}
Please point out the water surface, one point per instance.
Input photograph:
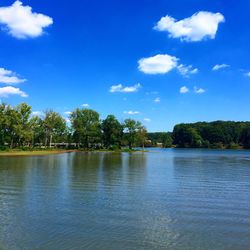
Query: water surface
{"points": [[163, 199]]}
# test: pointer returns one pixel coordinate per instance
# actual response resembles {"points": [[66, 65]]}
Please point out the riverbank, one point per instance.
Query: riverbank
{"points": [[44, 152], [33, 152]]}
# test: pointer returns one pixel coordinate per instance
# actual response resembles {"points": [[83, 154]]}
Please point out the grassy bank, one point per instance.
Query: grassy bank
{"points": [[33, 152], [38, 152]]}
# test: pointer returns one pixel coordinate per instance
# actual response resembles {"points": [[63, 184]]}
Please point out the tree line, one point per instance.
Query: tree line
{"points": [[19, 128], [218, 134]]}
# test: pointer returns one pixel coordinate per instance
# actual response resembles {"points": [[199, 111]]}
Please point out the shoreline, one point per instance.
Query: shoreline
{"points": [[58, 151], [35, 152], [63, 151]]}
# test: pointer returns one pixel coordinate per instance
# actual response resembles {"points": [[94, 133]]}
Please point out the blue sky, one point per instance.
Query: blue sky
{"points": [[160, 62]]}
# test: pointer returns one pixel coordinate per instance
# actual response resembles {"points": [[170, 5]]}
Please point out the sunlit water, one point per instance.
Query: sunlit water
{"points": [[163, 199]]}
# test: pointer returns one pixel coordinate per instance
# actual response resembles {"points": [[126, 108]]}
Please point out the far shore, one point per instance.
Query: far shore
{"points": [[34, 152], [44, 152], [60, 151]]}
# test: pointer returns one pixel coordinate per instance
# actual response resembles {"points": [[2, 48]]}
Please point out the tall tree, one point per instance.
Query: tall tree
{"points": [[11, 117], [112, 131], [23, 126], [141, 135], [86, 127], [2, 123], [131, 128], [54, 127], [38, 133]]}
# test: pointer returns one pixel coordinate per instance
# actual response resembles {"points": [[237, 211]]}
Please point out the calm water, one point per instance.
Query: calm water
{"points": [[168, 199]]}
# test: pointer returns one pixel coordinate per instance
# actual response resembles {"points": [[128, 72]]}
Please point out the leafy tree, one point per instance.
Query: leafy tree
{"points": [[54, 127], [11, 117], [186, 136], [167, 140], [86, 127], [161, 137], [141, 135], [38, 133], [112, 132], [22, 125], [2, 123], [131, 128]]}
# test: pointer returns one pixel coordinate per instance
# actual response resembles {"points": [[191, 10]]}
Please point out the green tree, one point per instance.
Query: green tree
{"points": [[11, 132], [38, 133], [167, 140], [86, 127], [54, 127], [187, 136], [2, 123], [22, 127], [112, 132], [141, 135], [131, 128]]}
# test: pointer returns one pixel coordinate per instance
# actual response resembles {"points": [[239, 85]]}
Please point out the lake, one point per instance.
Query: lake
{"points": [[161, 199]]}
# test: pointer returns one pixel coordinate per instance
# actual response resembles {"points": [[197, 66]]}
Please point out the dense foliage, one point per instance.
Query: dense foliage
{"points": [[19, 128], [163, 138], [218, 134]]}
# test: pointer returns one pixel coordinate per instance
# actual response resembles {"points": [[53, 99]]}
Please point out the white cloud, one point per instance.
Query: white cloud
{"points": [[122, 89], [184, 90], [157, 100], [158, 64], [68, 113], [220, 66], [147, 119], [198, 27], [186, 70], [199, 90], [7, 91], [164, 63], [67, 120], [37, 113], [131, 112], [21, 22], [9, 77], [85, 105]]}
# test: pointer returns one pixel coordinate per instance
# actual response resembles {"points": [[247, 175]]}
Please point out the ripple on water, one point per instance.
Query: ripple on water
{"points": [[169, 199]]}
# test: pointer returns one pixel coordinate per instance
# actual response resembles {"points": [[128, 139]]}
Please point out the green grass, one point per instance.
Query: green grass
{"points": [[32, 152], [37, 152]]}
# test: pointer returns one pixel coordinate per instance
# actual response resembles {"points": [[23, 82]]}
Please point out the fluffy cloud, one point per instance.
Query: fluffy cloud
{"points": [[122, 89], [131, 112], [9, 90], [186, 71], [85, 105], [184, 90], [68, 113], [198, 27], [147, 119], [199, 90], [157, 100], [159, 64], [164, 63], [9, 77], [21, 22], [220, 66]]}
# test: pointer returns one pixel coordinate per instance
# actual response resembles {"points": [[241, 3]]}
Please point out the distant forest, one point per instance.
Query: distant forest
{"points": [[218, 134], [20, 128]]}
